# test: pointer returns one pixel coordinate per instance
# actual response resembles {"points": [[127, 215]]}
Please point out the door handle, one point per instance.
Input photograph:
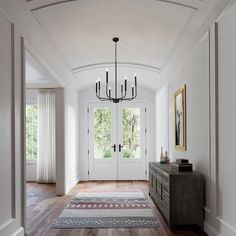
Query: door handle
{"points": [[114, 147], [120, 146]]}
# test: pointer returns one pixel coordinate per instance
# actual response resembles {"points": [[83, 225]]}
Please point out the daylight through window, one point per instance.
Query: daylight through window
{"points": [[31, 131]]}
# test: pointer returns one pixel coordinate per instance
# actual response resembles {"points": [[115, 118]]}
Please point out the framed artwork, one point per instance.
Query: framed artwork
{"points": [[180, 119]]}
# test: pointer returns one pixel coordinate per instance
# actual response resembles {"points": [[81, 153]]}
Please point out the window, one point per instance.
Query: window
{"points": [[31, 131]]}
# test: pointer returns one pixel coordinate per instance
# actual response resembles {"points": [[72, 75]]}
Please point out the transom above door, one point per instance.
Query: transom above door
{"points": [[117, 141]]}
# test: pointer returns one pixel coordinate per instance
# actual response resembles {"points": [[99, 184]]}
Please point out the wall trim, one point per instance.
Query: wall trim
{"points": [[19, 232], [73, 180], [23, 148], [225, 228], [13, 125], [216, 122], [7, 223]]}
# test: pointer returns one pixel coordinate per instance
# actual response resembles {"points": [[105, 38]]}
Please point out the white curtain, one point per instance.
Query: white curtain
{"points": [[46, 161]]}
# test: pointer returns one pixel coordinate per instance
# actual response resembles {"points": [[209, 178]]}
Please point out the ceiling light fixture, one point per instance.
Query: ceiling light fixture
{"points": [[123, 87]]}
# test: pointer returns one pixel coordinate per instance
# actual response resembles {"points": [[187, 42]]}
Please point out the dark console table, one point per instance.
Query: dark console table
{"points": [[178, 195]]}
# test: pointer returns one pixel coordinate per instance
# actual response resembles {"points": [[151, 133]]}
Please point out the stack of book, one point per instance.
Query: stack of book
{"points": [[181, 165]]}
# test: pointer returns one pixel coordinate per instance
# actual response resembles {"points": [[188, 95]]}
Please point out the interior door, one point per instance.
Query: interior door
{"points": [[131, 141], [102, 142]]}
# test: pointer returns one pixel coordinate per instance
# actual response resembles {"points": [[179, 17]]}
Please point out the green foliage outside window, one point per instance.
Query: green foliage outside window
{"points": [[31, 131], [102, 132], [131, 133]]}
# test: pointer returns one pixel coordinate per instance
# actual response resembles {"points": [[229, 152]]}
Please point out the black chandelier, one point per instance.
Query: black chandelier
{"points": [[123, 87]]}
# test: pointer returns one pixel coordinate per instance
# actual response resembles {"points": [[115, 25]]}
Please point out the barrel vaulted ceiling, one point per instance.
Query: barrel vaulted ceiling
{"points": [[81, 32]]}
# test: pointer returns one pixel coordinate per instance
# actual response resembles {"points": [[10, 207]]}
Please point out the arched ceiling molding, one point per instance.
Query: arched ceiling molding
{"points": [[182, 3], [111, 64]]}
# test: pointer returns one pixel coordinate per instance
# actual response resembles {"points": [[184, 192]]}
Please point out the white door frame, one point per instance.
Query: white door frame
{"points": [[147, 127]]}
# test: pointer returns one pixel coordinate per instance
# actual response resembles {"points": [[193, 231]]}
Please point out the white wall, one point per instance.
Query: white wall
{"points": [[195, 74], [71, 137], [31, 96], [60, 141], [89, 95], [209, 72], [12, 130], [225, 154], [162, 121]]}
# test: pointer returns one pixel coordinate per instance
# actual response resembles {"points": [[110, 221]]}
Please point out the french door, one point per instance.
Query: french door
{"points": [[117, 141]]}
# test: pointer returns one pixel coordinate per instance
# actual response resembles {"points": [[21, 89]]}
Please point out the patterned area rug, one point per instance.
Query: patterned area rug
{"points": [[107, 209]]}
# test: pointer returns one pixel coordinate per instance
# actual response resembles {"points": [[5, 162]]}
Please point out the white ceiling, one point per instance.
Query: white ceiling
{"points": [[83, 30], [32, 75], [36, 75], [73, 38], [82, 33]]}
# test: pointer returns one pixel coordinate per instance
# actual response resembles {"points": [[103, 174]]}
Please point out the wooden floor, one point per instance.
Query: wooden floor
{"points": [[43, 206]]}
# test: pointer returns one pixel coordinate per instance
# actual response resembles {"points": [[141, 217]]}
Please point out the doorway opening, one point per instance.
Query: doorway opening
{"points": [[40, 139]]}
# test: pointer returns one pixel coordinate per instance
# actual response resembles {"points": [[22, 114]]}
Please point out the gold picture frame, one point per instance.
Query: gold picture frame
{"points": [[180, 119]]}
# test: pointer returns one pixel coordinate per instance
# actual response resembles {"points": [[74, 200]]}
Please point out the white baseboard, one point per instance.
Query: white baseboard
{"points": [[72, 182], [210, 230], [19, 232], [83, 178], [225, 229]]}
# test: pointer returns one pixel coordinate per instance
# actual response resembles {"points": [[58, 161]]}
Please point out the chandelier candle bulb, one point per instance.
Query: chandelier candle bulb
{"points": [[106, 75], [99, 84]]}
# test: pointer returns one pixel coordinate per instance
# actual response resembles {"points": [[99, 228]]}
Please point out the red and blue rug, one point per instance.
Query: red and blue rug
{"points": [[107, 209]]}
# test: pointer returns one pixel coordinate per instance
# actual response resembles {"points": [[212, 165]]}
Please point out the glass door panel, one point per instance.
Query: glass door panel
{"points": [[131, 133], [102, 133]]}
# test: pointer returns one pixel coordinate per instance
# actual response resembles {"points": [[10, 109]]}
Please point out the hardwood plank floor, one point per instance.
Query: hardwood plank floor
{"points": [[43, 206]]}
